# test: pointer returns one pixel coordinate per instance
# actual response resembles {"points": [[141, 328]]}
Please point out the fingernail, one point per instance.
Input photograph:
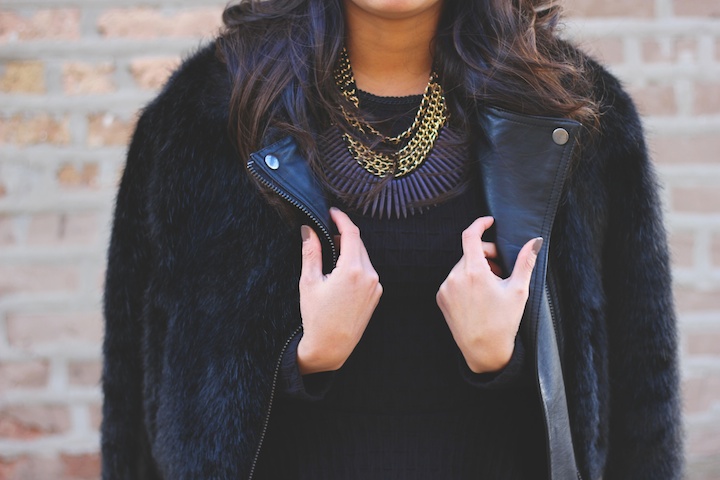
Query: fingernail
{"points": [[537, 245], [305, 232]]}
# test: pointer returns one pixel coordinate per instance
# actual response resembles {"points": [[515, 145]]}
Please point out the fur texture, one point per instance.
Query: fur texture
{"points": [[201, 294]]}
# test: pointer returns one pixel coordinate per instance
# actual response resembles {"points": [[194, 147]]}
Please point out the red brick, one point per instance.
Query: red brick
{"points": [[62, 229], [686, 149], [682, 246], [669, 50], [70, 176], [81, 467], [151, 73], [95, 415], [152, 23], [108, 130], [60, 24], [655, 99], [697, 8], [707, 98], [27, 422], [607, 49], [700, 393], [31, 468], [610, 8], [25, 330], [85, 373], [23, 77], [706, 467], [30, 374], [696, 199], [7, 231], [25, 130], [692, 300], [86, 78], [704, 439]]}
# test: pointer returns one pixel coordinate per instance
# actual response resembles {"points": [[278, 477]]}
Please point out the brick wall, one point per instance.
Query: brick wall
{"points": [[73, 74]]}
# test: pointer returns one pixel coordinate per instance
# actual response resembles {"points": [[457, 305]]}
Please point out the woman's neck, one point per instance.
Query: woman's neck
{"points": [[391, 53]]}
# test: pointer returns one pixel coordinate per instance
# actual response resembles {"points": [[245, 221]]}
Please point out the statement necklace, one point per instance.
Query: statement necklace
{"points": [[416, 141]]}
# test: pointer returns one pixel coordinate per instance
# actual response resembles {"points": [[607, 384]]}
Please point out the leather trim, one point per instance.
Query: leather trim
{"points": [[523, 171]]}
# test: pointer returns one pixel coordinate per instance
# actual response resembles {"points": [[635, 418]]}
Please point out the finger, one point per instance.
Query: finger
{"points": [[525, 263], [311, 255], [351, 246], [472, 243], [489, 250]]}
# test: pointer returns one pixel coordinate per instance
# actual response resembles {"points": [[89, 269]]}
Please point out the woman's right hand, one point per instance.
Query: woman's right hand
{"points": [[335, 308]]}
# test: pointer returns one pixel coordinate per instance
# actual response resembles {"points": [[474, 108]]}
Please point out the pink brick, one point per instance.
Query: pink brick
{"points": [[95, 415], [703, 343], [655, 99], [85, 78], [607, 49], [72, 176], [85, 373], [707, 98], [690, 300], [24, 77], [697, 8], [7, 231], [81, 467], [108, 130], [27, 422], [37, 279], [152, 23], [700, 393], [610, 8], [696, 199], [62, 229], [31, 468], [29, 374], [686, 149], [715, 250], [25, 330], [151, 73], [704, 439], [59, 24], [25, 130], [669, 51], [682, 246]]}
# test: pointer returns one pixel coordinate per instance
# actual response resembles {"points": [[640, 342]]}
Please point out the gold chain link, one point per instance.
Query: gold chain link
{"points": [[430, 118]]}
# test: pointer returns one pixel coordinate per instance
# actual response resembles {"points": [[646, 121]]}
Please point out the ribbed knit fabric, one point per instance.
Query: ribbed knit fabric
{"points": [[405, 406]]}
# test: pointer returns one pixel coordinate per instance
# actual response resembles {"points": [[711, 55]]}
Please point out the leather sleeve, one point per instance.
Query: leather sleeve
{"points": [[645, 426]]}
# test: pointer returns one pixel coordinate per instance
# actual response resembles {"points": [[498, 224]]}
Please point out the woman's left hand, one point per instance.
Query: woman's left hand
{"points": [[482, 309]]}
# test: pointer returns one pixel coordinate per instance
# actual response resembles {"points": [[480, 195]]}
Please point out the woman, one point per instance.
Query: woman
{"points": [[496, 302]]}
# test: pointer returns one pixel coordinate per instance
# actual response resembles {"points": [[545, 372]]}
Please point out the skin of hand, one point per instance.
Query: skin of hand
{"points": [[482, 309], [337, 307]]}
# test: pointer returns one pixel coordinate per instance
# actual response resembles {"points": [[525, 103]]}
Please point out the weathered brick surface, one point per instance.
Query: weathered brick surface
{"points": [[74, 74]]}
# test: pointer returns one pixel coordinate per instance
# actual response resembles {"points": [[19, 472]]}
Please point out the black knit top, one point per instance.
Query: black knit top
{"points": [[405, 405]]}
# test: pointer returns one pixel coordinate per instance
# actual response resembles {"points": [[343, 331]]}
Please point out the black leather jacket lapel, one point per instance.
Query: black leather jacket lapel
{"points": [[523, 168]]}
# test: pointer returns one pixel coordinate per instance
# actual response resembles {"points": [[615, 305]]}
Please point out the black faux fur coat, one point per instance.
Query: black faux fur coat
{"points": [[202, 291]]}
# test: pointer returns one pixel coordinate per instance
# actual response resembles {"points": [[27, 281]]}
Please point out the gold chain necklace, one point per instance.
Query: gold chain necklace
{"points": [[420, 136]]}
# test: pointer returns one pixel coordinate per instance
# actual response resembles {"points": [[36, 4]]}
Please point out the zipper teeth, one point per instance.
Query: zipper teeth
{"points": [[306, 211], [298, 205], [270, 402]]}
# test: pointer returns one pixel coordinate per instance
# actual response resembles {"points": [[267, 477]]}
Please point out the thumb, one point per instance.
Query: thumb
{"points": [[311, 254], [525, 263]]}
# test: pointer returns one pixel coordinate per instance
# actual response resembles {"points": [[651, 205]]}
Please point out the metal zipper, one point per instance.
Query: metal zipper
{"points": [[270, 401], [326, 233], [298, 205]]}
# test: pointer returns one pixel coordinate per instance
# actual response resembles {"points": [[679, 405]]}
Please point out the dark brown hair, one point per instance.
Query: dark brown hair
{"points": [[503, 53]]}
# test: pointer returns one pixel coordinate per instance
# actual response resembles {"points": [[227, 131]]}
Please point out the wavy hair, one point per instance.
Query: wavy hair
{"points": [[504, 53]]}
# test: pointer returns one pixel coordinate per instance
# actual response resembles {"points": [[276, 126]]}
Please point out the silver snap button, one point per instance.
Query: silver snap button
{"points": [[560, 136], [272, 161]]}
